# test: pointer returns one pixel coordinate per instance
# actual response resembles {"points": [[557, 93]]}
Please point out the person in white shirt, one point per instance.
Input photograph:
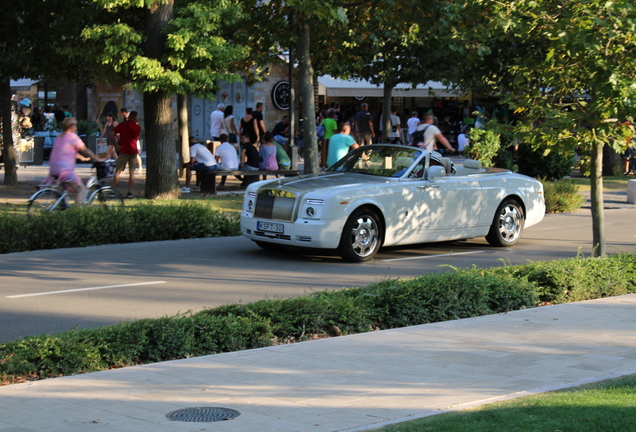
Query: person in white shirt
{"points": [[462, 140], [226, 156], [412, 124], [396, 127], [432, 134], [201, 160], [217, 123]]}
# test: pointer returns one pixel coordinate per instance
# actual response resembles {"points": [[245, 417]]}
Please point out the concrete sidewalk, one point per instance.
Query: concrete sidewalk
{"points": [[346, 383]]}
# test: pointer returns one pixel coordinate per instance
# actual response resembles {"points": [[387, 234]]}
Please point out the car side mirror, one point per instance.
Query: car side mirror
{"points": [[436, 171]]}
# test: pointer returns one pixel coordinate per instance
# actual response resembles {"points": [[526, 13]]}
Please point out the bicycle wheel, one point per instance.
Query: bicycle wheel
{"points": [[106, 197], [46, 201]]}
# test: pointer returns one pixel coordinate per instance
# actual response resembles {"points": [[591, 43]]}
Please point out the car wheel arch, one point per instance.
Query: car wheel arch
{"points": [[518, 199], [378, 212]]}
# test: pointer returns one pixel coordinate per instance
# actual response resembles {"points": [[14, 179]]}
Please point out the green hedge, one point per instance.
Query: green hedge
{"points": [[561, 196], [435, 297], [96, 226]]}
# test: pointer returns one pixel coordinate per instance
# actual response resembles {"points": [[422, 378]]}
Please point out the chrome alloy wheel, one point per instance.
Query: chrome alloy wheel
{"points": [[364, 236], [510, 223]]}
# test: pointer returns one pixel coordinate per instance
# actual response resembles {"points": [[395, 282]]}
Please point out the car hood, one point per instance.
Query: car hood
{"points": [[323, 180]]}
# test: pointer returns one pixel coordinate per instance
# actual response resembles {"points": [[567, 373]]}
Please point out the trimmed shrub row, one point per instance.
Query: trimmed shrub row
{"points": [[561, 196], [96, 226], [388, 304]]}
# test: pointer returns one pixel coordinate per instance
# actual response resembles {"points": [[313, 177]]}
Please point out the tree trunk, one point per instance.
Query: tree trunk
{"points": [[306, 81], [8, 153], [598, 218], [184, 143], [386, 112], [161, 172]]}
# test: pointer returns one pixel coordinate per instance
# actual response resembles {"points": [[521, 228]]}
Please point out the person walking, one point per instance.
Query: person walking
{"points": [[431, 134], [331, 128], [364, 126], [412, 123], [217, 126], [230, 125], [111, 124], [128, 133], [248, 126], [260, 123], [396, 127]]}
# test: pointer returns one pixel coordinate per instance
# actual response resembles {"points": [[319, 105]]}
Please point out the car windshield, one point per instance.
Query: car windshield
{"points": [[385, 161]]}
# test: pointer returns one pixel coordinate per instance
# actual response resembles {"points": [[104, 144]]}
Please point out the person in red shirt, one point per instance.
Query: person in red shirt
{"points": [[128, 133]]}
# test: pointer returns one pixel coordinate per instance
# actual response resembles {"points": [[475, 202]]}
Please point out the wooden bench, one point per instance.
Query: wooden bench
{"points": [[208, 179]]}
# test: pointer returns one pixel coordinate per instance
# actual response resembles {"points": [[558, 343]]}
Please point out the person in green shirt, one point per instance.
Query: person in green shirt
{"points": [[331, 128], [284, 162]]}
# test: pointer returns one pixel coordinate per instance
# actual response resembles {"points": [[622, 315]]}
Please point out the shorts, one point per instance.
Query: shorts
{"points": [[203, 168], [126, 159], [68, 178], [365, 139], [250, 168]]}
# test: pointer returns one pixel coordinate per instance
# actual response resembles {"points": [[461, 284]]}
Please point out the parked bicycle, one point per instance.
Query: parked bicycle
{"points": [[51, 198]]}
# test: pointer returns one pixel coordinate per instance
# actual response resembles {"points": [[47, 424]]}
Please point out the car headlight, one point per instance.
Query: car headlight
{"points": [[250, 204], [310, 211]]}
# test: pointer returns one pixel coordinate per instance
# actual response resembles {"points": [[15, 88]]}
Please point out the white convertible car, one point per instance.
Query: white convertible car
{"points": [[384, 195]]}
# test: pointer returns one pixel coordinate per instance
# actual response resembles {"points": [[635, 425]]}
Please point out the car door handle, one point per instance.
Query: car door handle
{"points": [[432, 186]]}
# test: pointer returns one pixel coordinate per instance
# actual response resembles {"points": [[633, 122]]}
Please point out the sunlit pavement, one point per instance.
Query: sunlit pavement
{"points": [[345, 383]]}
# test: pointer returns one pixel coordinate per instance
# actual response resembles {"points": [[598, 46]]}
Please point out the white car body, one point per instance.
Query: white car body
{"points": [[421, 203]]}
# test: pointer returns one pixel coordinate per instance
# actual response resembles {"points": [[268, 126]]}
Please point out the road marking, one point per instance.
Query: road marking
{"points": [[84, 289], [434, 256]]}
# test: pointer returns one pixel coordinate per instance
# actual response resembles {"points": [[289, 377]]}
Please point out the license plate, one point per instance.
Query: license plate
{"points": [[272, 227]]}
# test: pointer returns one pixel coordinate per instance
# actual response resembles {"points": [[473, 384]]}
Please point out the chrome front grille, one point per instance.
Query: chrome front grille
{"points": [[275, 204]]}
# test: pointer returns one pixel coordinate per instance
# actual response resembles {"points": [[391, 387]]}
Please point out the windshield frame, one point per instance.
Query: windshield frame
{"points": [[351, 163]]}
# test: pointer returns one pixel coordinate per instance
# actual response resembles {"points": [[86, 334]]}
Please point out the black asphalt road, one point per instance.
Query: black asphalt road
{"points": [[56, 290]]}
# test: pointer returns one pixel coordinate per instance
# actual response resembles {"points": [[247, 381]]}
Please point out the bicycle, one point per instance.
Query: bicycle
{"points": [[53, 198]]}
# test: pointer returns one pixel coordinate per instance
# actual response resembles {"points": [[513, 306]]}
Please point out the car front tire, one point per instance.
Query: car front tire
{"points": [[507, 224], [361, 236]]}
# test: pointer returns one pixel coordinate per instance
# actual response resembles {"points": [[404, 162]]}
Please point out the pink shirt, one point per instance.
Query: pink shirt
{"points": [[62, 160]]}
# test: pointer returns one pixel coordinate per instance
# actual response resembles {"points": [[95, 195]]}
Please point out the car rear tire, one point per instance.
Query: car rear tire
{"points": [[507, 224], [361, 236]]}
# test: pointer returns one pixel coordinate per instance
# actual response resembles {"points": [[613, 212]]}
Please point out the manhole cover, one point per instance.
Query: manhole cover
{"points": [[203, 414]]}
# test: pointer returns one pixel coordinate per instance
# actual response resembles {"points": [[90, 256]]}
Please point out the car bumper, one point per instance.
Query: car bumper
{"points": [[310, 233]]}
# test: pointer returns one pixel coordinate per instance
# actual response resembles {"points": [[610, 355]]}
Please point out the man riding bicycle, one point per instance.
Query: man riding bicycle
{"points": [[62, 160]]}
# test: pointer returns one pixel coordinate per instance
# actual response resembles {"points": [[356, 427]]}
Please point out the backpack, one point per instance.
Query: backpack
{"points": [[320, 131], [271, 164], [418, 136]]}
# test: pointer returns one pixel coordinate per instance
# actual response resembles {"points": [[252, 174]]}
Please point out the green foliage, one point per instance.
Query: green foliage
{"points": [[129, 343], [484, 145], [576, 279], [561, 196], [87, 127], [96, 226], [388, 304], [543, 163], [445, 296]]}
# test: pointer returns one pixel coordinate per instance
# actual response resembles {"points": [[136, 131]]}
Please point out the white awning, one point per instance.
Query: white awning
{"points": [[22, 84], [334, 87]]}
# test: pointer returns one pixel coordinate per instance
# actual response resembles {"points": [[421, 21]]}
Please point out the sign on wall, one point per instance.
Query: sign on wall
{"points": [[110, 99]]}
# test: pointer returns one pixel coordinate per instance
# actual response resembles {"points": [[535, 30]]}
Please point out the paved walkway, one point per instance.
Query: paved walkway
{"points": [[347, 383]]}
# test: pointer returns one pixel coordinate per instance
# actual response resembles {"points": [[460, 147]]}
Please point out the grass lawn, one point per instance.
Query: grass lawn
{"points": [[609, 183], [225, 204], [604, 406]]}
